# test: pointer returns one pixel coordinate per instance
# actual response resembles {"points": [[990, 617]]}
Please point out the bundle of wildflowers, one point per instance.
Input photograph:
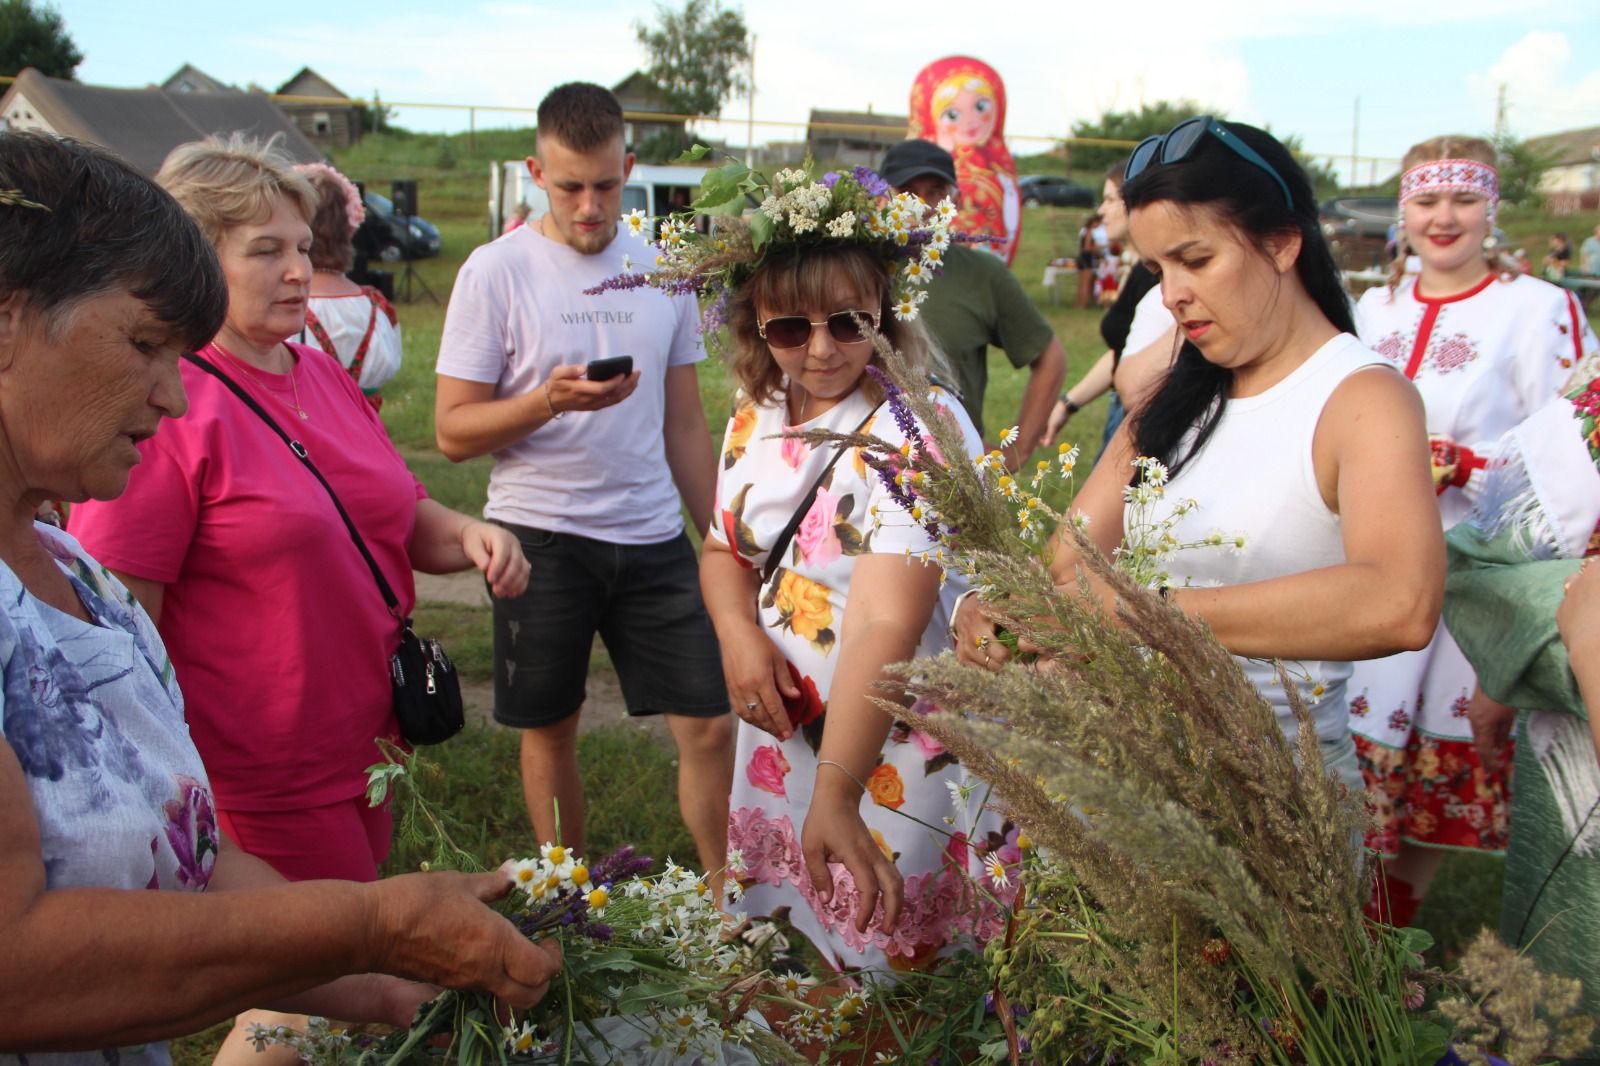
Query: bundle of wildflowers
{"points": [[797, 212], [1198, 898], [647, 972]]}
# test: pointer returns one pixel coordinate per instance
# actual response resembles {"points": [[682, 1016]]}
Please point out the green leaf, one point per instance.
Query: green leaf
{"points": [[760, 230], [644, 995], [379, 776], [692, 155], [1415, 940]]}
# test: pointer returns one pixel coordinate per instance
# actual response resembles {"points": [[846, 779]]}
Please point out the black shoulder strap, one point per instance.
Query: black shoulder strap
{"points": [[781, 545], [299, 451]]}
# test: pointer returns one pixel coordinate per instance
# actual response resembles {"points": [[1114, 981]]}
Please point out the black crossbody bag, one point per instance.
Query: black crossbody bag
{"points": [[427, 692], [781, 545]]}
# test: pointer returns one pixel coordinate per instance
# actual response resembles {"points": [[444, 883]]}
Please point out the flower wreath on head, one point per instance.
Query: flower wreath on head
{"points": [[842, 208], [354, 209]]}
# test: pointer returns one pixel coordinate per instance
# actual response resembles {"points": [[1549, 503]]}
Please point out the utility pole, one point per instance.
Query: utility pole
{"points": [[1500, 114], [1355, 144], [750, 120]]}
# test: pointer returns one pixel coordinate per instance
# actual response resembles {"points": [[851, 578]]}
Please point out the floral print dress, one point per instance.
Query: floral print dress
{"points": [[943, 844], [93, 714]]}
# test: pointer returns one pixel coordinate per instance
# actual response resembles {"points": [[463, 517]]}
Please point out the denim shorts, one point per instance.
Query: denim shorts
{"points": [[644, 602]]}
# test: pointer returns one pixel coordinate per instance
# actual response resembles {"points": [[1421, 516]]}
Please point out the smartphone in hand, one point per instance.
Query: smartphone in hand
{"points": [[606, 369]]}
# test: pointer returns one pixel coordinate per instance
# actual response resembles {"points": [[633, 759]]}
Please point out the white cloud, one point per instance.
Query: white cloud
{"points": [[1542, 94]]}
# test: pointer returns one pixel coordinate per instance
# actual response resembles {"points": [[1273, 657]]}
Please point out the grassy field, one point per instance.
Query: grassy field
{"points": [[629, 776]]}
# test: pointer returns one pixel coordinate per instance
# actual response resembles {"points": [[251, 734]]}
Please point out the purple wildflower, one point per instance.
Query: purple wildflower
{"points": [[895, 398], [870, 181], [621, 865], [619, 283], [830, 179], [715, 315]]}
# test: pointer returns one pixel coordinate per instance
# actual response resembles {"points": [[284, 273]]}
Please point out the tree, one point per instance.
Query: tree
{"points": [[1148, 121], [697, 55], [35, 37], [1521, 167]]}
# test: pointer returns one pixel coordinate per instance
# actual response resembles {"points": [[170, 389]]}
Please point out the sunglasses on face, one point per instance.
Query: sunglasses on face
{"points": [[1180, 142], [794, 331]]}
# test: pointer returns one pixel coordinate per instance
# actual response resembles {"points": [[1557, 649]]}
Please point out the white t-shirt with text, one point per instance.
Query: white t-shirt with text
{"points": [[517, 311]]}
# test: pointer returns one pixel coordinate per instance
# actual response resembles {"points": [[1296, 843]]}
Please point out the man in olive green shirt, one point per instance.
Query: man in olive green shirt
{"points": [[976, 302]]}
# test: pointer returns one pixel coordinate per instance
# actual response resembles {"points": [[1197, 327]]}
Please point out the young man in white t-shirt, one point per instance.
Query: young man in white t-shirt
{"points": [[588, 474]]}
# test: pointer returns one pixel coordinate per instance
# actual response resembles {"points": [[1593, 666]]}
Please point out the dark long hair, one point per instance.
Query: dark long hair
{"points": [[1214, 177]]}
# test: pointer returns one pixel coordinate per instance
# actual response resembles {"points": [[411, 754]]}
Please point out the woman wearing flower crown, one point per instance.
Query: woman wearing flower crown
{"points": [[1486, 346], [816, 581]]}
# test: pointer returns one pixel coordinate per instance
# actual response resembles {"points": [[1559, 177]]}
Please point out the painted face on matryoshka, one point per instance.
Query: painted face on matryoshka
{"points": [[964, 112]]}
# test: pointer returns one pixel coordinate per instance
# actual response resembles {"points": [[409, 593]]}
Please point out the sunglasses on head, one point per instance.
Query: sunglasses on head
{"points": [[1180, 142], [794, 331]]}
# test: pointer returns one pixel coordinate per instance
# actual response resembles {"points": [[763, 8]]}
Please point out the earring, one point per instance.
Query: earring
{"points": [[1490, 243]]}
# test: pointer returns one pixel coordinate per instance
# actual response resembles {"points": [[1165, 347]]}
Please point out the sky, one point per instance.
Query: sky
{"points": [[1298, 67]]}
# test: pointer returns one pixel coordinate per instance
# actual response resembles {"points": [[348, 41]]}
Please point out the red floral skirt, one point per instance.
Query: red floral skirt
{"points": [[1436, 793]]}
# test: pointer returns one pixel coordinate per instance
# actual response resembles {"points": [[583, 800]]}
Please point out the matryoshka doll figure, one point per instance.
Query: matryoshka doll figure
{"points": [[959, 103]]}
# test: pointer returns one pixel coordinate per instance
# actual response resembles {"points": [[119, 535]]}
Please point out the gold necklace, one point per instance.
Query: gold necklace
{"points": [[294, 389]]}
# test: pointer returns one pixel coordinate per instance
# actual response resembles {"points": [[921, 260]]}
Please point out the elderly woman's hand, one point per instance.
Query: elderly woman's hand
{"points": [[435, 927], [496, 553]]}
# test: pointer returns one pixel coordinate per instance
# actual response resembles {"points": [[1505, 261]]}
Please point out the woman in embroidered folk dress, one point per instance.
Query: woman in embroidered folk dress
{"points": [[353, 323], [1486, 346], [848, 595], [279, 634], [126, 917], [1279, 423]]}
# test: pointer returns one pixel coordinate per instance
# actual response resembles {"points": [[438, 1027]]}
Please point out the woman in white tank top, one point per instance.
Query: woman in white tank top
{"points": [[1279, 423]]}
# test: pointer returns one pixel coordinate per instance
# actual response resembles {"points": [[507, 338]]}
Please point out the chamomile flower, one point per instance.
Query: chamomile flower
{"points": [[636, 221], [916, 272], [905, 309], [995, 870], [1009, 437], [520, 1041], [598, 898], [627, 264], [946, 210]]}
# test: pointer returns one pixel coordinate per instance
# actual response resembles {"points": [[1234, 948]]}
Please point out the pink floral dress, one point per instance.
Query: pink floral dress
{"points": [[939, 842]]}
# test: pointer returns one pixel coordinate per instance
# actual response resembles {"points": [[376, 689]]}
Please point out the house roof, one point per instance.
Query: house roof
{"points": [[190, 78], [1569, 147], [309, 83], [859, 118], [143, 125], [639, 92]]}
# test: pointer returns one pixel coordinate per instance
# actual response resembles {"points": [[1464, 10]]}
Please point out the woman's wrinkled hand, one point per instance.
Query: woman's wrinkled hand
{"points": [[977, 637], [758, 679], [498, 556], [436, 928], [834, 832]]}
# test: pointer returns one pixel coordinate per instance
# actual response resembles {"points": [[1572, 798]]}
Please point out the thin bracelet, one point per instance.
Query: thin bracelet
{"points": [[846, 769], [951, 627], [548, 402]]}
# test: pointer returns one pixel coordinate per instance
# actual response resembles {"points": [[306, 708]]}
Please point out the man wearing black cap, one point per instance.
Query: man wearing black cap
{"points": [[975, 302]]}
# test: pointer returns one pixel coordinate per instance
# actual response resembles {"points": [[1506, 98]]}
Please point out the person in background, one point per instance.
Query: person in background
{"points": [[519, 216], [240, 557], [1485, 346], [1116, 325], [977, 302], [1559, 258], [353, 323], [1589, 253], [128, 917], [592, 477]]}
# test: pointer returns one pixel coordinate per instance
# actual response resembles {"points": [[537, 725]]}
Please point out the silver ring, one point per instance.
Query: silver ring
{"points": [[752, 705]]}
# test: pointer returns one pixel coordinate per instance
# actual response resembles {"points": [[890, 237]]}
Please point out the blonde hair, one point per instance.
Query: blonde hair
{"points": [[233, 182], [949, 87], [1453, 146], [809, 278]]}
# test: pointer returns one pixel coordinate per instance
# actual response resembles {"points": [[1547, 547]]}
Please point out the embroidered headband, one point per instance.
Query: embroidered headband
{"points": [[1451, 175], [354, 209]]}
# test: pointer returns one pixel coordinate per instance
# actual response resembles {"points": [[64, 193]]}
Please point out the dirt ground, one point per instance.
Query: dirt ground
{"points": [[604, 706]]}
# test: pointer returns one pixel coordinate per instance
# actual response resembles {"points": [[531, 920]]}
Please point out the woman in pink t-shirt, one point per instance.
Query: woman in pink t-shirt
{"points": [[276, 628]]}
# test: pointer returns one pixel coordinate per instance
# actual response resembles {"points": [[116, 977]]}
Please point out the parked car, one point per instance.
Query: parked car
{"points": [[394, 238], [1039, 189], [1359, 216]]}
